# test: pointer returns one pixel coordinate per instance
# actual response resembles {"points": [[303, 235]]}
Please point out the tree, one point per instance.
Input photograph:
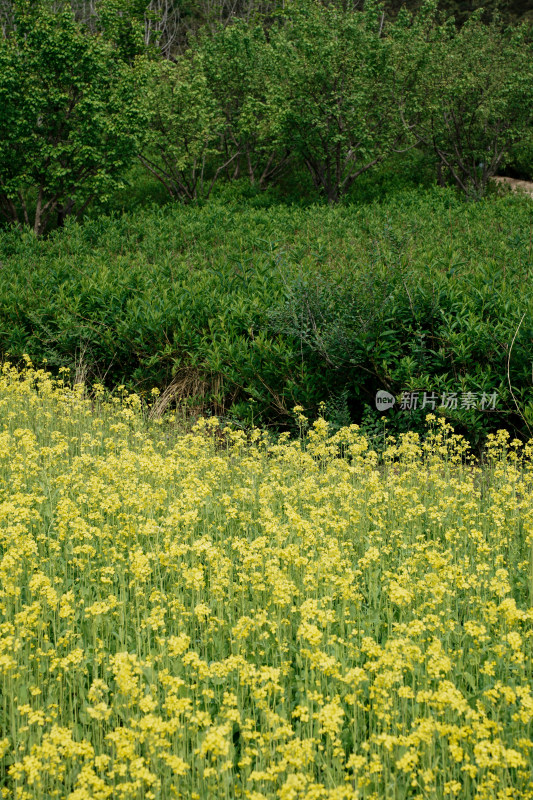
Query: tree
{"points": [[184, 145], [331, 95], [238, 64], [466, 94], [70, 120]]}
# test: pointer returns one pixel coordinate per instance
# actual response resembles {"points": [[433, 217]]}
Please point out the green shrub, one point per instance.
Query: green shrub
{"points": [[249, 311]]}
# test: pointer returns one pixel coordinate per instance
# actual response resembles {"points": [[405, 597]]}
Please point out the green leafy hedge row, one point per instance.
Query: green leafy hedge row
{"points": [[249, 311]]}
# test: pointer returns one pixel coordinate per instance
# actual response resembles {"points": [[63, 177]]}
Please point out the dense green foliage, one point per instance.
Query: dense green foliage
{"points": [[249, 306], [510, 11], [249, 311], [335, 92], [70, 121], [465, 94], [321, 96], [186, 127]]}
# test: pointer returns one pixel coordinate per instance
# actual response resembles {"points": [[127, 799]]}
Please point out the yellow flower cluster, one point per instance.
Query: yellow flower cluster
{"points": [[213, 614]]}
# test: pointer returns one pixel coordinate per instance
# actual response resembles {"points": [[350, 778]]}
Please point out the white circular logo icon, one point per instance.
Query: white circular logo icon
{"points": [[384, 400]]}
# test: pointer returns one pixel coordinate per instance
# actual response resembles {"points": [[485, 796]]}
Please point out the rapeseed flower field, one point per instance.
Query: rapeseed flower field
{"points": [[217, 615]]}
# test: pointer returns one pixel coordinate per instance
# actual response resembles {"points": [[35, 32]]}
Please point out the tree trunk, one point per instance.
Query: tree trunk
{"points": [[64, 211]]}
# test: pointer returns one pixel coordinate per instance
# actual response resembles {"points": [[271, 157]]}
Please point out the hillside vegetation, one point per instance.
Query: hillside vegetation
{"points": [[249, 311], [288, 206], [320, 93], [266, 400]]}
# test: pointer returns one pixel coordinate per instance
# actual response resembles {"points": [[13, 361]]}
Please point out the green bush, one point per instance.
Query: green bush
{"points": [[248, 311], [521, 161]]}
